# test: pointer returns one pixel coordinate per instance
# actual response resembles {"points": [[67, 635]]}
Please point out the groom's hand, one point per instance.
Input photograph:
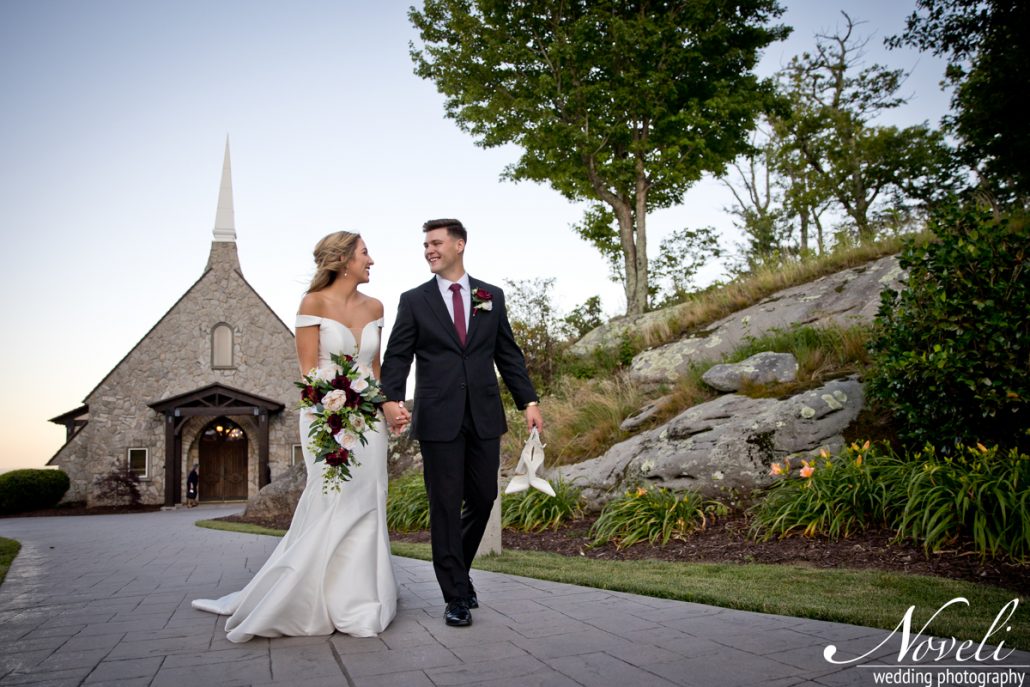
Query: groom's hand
{"points": [[397, 416], [534, 418]]}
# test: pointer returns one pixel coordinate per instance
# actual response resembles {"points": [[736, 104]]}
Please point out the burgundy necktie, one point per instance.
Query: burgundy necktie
{"points": [[459, 312]]}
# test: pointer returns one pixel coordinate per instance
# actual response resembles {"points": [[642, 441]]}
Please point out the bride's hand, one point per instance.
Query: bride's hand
{"points": [[397, 416]]}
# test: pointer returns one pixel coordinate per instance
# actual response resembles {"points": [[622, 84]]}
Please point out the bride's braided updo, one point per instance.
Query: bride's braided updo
{"points": [[332, 254]]}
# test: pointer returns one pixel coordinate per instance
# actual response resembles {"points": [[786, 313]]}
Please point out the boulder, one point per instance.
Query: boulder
{"points": [[277, 500], [728, 443], [844, 298], [609, 336], [644, 414], [762, 368]]}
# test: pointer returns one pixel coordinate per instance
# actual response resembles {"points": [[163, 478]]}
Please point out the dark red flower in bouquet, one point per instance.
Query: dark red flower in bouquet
{"points": [[334, 421], [341, 382], [353, 398], [338, 457], [309, 393]]}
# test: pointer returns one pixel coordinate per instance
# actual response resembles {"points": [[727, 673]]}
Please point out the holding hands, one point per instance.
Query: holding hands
{"points": [[397, 416]]}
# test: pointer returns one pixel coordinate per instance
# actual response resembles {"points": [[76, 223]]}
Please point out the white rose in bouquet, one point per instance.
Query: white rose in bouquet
{"points": [[335, 400], [347, 440], [326, 374]]}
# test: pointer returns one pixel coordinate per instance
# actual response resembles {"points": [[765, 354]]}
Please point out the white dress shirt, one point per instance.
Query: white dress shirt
{"points": [[448, 297]]}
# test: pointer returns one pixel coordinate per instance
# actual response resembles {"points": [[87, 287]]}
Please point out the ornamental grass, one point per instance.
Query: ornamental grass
{"points": [[978, 497], [407, 505], [830, 496], [534, 511], [653, 515], [980, 494]]}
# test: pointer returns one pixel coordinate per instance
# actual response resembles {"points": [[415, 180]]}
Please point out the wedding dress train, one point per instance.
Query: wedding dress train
{"points": [[332, 569]]}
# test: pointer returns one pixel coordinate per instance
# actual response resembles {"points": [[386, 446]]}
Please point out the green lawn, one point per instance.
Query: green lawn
{"points": [[8, 550], [859, 597]]}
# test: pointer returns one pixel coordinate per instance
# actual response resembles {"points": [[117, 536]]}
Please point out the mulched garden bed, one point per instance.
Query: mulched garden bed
{"points": [[726, 541]]}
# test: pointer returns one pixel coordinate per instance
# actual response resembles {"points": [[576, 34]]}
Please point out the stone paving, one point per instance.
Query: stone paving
{"points": [[105, 600]]}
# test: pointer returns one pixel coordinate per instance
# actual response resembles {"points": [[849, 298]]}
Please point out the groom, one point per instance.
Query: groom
{"points": [[457, 330]]}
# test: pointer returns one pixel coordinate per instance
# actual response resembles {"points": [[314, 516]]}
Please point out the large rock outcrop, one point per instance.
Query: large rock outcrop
{"points": [[845, 298], [727, 443]]}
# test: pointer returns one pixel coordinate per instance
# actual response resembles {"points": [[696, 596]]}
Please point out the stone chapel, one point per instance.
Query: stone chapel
{"points": [[210, 384]]}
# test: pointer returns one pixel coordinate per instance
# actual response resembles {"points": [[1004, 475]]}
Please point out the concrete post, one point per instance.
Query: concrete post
{"points": [[491, 542]]}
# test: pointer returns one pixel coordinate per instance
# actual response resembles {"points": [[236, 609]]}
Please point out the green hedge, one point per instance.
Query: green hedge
{"points": [[24, 490], [951, 351]]}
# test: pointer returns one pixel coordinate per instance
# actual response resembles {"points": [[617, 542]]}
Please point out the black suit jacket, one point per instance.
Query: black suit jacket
{"points": [[447, 375]]}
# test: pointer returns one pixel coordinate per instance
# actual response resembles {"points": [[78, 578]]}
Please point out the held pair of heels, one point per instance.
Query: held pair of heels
{"points": [[458, 612]]}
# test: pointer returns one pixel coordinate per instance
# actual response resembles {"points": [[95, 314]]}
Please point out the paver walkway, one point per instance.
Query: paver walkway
{"points": [[105, 600]]}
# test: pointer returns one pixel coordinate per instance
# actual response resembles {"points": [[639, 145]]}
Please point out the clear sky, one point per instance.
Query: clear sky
{"points": [[112, 128]]}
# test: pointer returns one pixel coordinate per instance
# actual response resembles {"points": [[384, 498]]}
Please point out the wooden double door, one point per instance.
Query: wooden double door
{"points": [[223, 461]]}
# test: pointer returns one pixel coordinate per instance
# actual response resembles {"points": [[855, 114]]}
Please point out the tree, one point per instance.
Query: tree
{"points": [[832, 102], [618, 102], [682, 254], [758, 208], [537, 326], [988, 45]]}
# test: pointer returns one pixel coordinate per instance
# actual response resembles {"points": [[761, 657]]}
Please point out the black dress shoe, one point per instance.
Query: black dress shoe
{"points": [[457, 613], [472, 600]]}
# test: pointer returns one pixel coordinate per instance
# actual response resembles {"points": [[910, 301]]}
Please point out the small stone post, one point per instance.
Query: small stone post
{"points": [[491, 542]]}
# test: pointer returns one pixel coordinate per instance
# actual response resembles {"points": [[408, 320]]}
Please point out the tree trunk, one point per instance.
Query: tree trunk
{"points": [[629, 256], [639, 304], [803, 216]]}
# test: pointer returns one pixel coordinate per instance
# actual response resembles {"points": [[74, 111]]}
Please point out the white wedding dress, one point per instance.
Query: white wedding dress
{"points": [[332, 569]]}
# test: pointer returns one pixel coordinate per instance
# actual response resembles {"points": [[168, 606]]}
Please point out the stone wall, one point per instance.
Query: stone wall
{"points": [[175, 357]]}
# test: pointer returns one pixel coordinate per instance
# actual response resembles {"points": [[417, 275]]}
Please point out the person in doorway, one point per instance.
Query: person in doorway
{"points": [[193, 486]]}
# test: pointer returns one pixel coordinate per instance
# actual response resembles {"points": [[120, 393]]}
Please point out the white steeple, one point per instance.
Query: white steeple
{"points": [[225, 217]]}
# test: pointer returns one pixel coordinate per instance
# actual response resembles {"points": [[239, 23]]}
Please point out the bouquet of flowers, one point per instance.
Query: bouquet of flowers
{"points": [[343, 401]]}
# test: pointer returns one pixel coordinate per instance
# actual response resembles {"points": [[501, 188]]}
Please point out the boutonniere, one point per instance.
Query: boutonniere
{"points": [[482, 300]]}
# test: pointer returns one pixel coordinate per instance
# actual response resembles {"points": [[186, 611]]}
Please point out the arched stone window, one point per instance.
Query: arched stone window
{"points": [[221, 346]]}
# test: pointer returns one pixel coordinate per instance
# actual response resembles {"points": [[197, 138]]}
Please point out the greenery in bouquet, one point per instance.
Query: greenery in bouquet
{"points": [[343, 401]]}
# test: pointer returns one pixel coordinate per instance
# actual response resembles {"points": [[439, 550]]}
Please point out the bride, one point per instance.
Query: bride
{"points": [[332, 570]]}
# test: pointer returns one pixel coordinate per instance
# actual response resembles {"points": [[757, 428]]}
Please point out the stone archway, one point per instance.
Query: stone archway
{"points": [[214, 400], [223, 461]]}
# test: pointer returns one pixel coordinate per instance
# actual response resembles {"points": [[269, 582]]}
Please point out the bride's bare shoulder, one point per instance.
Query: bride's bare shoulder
{"points": [[313, 303], [376, 306]]}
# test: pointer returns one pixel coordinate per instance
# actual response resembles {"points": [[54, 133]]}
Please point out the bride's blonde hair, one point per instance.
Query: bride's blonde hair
{"points": [[332, 254]]}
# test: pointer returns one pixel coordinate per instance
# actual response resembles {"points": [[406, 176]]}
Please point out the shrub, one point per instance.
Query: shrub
{"points": [[118, 487], [534, 510], [407, 505], [951, 350], [652, 514], [834, 496], [979, 493], [24, 490]]}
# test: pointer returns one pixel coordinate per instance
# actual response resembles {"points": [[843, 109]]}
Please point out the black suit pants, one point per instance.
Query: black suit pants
{"points": [[457, 472]]}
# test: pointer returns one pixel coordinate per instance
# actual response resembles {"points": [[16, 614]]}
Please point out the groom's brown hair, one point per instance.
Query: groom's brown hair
{"points": [[453, 227]]}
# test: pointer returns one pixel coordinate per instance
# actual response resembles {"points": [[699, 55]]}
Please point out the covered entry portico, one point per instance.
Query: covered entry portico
{"points": [[211, 401]]}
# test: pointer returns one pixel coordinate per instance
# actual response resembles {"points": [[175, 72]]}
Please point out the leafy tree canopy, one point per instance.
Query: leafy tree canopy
{"points": [[988, 47], [622, 102]]}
